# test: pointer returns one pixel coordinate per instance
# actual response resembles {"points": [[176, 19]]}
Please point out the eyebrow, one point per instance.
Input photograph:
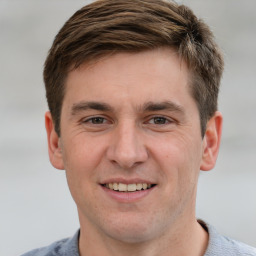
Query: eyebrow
{"points": [[166, 105], [146, 107], [85, 105]]}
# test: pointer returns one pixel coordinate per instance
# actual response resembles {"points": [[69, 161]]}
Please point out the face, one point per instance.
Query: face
{"points": [[131, 144]]}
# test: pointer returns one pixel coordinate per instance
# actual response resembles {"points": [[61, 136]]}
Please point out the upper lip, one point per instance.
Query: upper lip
{"points": [[126, 181]]}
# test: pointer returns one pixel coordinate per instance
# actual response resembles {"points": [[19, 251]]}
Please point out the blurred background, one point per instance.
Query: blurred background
{"points": [[36, 208]]}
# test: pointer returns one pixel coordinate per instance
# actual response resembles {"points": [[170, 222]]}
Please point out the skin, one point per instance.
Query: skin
{"points": [[130, 117]]}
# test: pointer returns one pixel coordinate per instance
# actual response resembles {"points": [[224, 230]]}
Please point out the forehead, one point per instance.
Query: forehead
{"points": [[151, 75]]}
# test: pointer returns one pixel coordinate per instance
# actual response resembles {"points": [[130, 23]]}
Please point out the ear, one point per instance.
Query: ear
{"points": [[211, 142], [54, 149]]}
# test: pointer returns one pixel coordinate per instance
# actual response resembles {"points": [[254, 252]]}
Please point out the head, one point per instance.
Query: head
{"points": [[106, 27], [132, 89]]}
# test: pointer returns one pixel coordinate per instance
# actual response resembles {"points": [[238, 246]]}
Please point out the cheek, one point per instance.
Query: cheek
{"points": [[179, 159], [81, 154], [79, 166]]}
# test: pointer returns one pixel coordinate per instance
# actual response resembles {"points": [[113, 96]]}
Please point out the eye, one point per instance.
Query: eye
{"points": [[96, 120], [159, 120]]}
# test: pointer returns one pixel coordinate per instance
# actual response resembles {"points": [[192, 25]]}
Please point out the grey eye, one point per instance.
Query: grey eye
{"points": [[97, 120], [159, 120]]}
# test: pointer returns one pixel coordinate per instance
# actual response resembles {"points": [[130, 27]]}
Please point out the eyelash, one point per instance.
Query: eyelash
{"points": [[91, 119], [163, 120]]}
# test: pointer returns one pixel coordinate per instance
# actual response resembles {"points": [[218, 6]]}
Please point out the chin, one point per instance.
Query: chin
{"points": [[133, 230]]}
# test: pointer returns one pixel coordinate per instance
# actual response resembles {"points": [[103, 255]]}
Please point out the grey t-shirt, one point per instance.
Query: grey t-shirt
{"points": [[218, 246], [64, 247]]}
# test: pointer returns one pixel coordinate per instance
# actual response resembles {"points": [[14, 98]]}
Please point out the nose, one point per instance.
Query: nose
{"points": [[127, 148]]}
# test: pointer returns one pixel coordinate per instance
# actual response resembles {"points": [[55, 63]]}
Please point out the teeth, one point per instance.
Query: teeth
{"points": [[131, 187], [139, 186], [115, 186], [122, 187], [128, 187]]}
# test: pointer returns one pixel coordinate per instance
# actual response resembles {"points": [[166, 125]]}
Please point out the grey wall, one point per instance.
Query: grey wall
{"points": [[36, 208]]}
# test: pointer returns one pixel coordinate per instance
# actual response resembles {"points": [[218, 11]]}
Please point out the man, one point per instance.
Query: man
{"points": [[132, 89]]}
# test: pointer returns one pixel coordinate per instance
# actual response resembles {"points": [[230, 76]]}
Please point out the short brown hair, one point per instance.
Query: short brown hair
{"points": [[109, 26]]}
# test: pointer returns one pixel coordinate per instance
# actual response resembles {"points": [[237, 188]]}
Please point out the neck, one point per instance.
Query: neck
{"points": [[188, 239]]}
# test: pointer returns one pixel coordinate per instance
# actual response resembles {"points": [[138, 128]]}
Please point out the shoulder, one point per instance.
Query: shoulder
{"points": [[54, 249], [220, 245], [64, 247]]}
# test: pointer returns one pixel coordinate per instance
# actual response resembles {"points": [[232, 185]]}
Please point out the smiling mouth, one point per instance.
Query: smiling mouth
{"points": [[121, 187]]}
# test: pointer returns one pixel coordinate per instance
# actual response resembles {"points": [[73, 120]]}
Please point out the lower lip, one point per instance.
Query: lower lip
{"points": [[127, 196]]}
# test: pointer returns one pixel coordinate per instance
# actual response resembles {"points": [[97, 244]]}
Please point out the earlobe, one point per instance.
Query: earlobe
{"points": [[54, 148], [211, 142]]}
